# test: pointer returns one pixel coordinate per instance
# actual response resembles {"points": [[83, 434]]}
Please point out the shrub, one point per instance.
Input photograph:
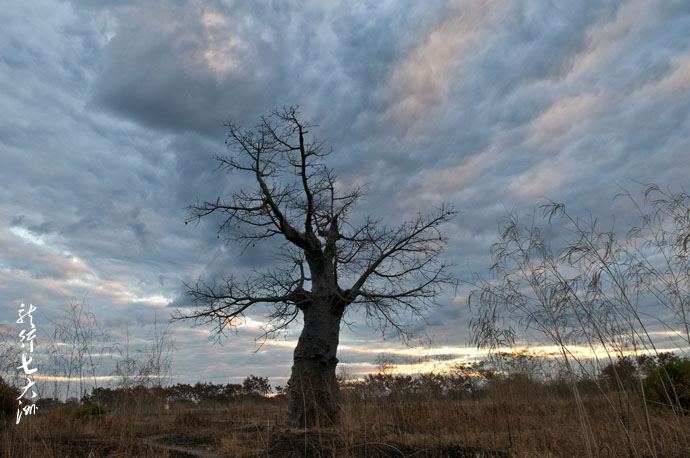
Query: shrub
{"points": [[94, 410], [8, 399], [621, 374], [47, 403], [669, 383]]}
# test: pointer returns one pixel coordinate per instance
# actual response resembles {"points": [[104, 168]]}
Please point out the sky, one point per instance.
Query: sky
{"points": [[112, 113]]}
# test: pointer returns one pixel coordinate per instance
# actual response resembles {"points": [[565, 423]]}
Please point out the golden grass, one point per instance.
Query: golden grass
{"points": [[506, 419]]}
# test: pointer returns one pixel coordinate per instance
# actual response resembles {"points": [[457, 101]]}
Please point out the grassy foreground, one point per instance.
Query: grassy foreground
{"points": [[511, 418]]}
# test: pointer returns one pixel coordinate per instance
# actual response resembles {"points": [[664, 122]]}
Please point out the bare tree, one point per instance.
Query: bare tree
{"points": [[149, 366], [131, 368], [77, 347], [297, 198], [155, 366], [10, 351]]}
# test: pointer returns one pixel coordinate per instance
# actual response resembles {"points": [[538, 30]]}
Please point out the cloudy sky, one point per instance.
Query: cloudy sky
{"points": [[112, 113]]}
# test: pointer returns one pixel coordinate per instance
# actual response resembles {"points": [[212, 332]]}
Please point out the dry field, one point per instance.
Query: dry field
{"points": [[510, 419]]}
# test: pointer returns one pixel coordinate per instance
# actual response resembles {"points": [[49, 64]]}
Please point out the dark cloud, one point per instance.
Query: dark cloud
{"points": [[189, 67]]}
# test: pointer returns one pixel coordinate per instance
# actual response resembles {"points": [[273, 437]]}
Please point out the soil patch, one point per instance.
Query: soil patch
{"points": [[183, 447]]}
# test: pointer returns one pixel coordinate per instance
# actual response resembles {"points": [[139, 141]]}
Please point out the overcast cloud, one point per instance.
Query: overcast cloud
{"points": [[112, 113]]}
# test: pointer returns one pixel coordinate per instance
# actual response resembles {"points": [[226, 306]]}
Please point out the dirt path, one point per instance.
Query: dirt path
{"points": [[153, 441]]}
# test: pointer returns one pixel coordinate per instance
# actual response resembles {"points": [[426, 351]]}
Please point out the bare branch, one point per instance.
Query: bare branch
{"points": [[293, 188]]}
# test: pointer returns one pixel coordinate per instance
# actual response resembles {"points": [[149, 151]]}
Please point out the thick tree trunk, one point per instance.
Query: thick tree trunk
{"points": [[313, 388]]}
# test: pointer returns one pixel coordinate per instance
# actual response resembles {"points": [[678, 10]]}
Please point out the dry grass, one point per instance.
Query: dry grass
{"points": [[506, 420], [549, 426]]}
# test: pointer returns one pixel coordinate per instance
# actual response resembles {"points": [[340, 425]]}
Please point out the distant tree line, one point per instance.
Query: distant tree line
{"points": [[183, 393], [659, 380]]}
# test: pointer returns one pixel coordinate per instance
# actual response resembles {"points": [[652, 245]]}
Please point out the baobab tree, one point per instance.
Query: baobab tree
{"points": [[294, 197]]}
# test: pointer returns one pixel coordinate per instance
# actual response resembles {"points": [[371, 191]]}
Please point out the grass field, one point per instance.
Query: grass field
{"points": [[508, 417]]}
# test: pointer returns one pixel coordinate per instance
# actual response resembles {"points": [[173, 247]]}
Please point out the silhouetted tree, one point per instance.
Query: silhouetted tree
{"points": [[297, 198], [254, 385]]}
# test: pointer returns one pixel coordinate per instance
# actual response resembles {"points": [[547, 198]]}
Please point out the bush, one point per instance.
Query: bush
{"points": [[8, 399], [669, 383], [94, 410], [621, 374], [47, 403]]}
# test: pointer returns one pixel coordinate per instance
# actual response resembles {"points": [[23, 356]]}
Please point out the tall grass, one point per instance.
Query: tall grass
{"points": [[505, 414], [618, 293]]}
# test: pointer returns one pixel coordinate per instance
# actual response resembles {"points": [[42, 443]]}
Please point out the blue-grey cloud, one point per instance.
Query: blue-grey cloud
{"points": [[114, 111]]}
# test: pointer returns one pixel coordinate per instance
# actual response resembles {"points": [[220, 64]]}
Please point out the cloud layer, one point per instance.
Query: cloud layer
{"points": [[112, 112]]}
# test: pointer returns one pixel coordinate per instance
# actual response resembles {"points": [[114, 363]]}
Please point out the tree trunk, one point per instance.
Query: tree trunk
{"points": [[313, 388]]}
